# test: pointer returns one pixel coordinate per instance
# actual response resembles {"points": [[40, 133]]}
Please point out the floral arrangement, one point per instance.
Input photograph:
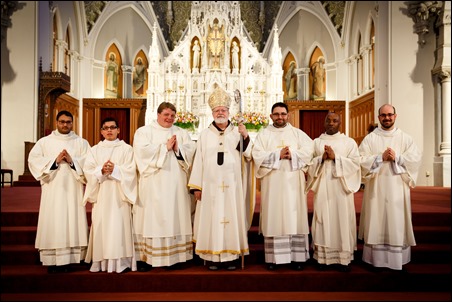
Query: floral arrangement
{"points": [[251, 120], [186, 120]]}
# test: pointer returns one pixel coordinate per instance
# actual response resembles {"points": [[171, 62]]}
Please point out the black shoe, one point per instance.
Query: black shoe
{"points": [[214, 267], [344, 268], [377, 269], [176, 266], [322, 267], [65, 269], [126, 270], [52, 269], [402, 271], [297, 266], [143, 266], [271, 266]]}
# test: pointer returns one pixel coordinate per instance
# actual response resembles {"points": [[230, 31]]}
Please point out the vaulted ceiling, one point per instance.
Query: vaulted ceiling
{"points": [[257, 22]]}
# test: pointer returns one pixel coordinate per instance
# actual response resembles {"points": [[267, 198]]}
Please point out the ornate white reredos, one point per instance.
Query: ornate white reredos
{"points": [[216, 25]]}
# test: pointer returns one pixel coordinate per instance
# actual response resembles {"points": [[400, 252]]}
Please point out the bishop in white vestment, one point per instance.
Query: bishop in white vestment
{"points": [[218, 182]]}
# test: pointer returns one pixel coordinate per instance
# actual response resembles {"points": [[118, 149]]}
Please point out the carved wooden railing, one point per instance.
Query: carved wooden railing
{"points": [[361, 116]]}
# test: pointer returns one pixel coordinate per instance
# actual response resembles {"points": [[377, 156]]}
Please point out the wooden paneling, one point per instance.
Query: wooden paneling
{"points": [[68, 103], [295, 107], [361, 116], [92, 116]]}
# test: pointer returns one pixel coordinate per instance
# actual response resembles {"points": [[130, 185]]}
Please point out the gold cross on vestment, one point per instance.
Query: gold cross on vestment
{"points": [[224, 222], [282, 144], [223, 186]]}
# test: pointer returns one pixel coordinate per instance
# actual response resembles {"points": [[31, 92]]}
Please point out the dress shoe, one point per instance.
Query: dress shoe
{"points": [[126, 270], [143, 266], [343, 268], [176, 266], [231, 267], [52, 269], [271, 266], [322, 267], [213, 268], [297, 266]]}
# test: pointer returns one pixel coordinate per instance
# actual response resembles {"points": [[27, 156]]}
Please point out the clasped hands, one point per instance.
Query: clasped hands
{"points": [[285, 153], [171, 144], [389, 155], [328, 153], [108, 168], [64, 156]]}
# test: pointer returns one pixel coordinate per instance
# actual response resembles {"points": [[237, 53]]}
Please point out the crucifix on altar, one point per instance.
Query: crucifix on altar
{"points": [[215, 41]]}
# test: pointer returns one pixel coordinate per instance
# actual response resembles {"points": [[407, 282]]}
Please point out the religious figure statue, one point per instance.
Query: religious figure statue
{"points": [[139, 77], [290, 79], [215, 41], [196, 55], [235, 55], [318, 77], [112, 74]]}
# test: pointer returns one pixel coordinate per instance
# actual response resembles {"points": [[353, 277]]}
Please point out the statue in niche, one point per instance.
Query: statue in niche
{"points": [[196, 55], [139, 77], [112, 74], [235, 55], [318, 78], [290, 79], [215, 41]]}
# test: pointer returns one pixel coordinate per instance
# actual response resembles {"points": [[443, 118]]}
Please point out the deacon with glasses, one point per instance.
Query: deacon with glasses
{"points": [[282, 154], [56, 160], [111, 188], [390, 163]]}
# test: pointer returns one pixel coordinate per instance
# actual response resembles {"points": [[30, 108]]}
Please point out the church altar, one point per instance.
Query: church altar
{"points": [[214, 49]]}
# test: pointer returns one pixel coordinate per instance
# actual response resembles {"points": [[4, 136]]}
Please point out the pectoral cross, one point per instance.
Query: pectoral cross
{"points": [[224, 222], [223, 186], [282, 144]]}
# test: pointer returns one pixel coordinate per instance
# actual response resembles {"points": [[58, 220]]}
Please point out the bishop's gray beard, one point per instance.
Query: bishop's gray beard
{"points": [[221, 120]]}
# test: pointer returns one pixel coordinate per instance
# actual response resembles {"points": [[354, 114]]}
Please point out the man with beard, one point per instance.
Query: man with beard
{"points": [[56, 160], [390, 163], [218, 181], [334, 177], [282, 154]]}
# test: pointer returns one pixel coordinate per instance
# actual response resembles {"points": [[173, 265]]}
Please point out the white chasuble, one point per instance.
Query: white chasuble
{"points": [[220, 226]]}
